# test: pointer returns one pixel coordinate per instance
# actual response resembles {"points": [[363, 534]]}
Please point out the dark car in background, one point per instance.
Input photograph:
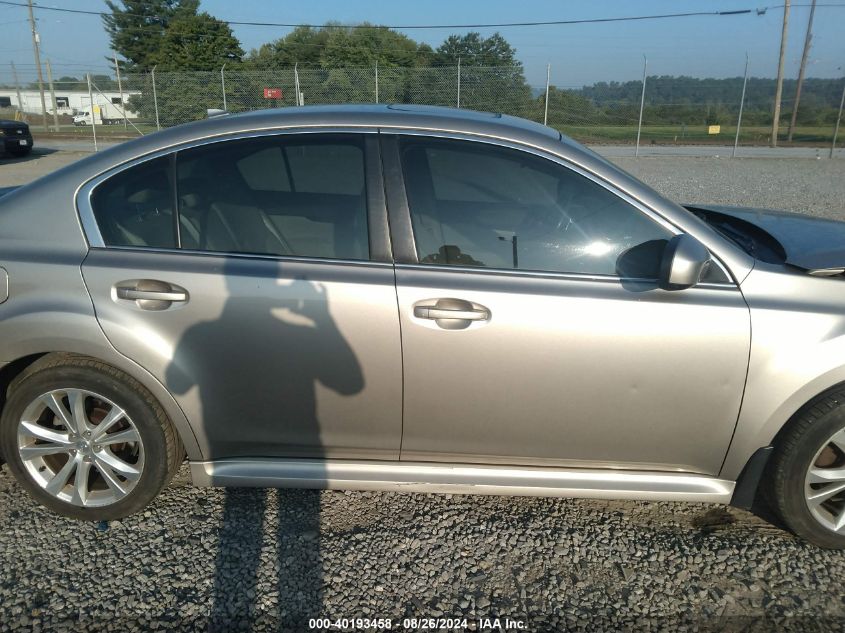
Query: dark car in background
{"points": [[16, 137]]}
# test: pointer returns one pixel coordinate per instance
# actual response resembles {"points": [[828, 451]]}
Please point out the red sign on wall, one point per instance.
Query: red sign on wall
{"points": [[272, 93]]}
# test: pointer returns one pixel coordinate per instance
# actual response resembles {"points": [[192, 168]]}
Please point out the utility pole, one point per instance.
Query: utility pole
{"points": [[53, 97], [779, 89], [807, 39], [35, 41], [18, 90]]}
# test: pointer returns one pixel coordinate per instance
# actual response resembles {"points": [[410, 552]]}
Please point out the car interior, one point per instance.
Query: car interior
{"points": [[259, 197], [486, 208]]}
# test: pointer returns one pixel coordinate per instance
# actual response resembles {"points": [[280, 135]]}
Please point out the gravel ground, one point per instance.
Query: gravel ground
{"points": [[217, 560], [804, 185]]}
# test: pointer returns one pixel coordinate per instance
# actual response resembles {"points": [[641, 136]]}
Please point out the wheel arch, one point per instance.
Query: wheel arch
{"points": [[754, 467], [17, 368]]}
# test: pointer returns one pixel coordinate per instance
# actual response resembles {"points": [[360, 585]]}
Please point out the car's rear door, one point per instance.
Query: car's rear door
{"points": [[268, 308], [533, 328]]}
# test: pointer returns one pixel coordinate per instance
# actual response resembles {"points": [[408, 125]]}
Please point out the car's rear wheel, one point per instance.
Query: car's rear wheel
{"points": [[86, 440], [807, 473]]}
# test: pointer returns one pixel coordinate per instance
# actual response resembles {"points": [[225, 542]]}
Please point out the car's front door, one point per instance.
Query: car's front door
{"points": [[533, 328], [265, 305]]}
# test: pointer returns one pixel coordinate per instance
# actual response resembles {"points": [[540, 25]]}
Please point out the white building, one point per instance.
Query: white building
{"points": [[68, 102]]}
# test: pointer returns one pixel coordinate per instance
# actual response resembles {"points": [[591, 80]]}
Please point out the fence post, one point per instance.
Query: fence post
{"points": [[642, 104], [459, 82], [223, 84], [155, 96], [120, 88], [91, 110], [21, 111], [53, 96], [838, 119], [546, 112], [741, 105], [296, 83]]}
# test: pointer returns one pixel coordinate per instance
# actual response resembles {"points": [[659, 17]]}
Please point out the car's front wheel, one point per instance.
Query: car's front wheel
{"points": [[86, 440], [807, 472]]}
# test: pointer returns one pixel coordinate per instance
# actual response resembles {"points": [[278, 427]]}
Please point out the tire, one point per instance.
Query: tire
{"points": [[809, 442], [17, 153], [145, 462]]}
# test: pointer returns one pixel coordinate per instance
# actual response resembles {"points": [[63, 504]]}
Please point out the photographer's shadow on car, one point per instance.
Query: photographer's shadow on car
{"points": [[274, 392]]}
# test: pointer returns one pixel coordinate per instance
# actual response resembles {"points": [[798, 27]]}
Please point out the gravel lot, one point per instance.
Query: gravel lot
{"points": [[224, 560], [805, 185]]}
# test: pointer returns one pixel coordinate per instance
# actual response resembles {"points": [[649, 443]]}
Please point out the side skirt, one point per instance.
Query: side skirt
{"points": [[461, 479]]}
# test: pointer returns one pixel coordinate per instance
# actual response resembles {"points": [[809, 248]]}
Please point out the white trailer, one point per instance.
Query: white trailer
{"points": [[104, 114]]}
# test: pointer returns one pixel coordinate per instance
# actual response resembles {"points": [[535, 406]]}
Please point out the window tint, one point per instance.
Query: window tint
{"points": [[300, 196], [135, 206], [475, 204]]}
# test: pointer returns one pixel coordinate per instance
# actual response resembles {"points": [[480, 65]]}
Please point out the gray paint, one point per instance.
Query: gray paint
{"points": [[677, 415]]}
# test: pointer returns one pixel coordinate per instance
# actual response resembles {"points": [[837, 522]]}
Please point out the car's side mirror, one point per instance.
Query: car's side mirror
{"points": [[684, 262]]}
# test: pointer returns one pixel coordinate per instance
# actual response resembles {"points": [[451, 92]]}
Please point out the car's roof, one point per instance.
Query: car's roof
{"points": [[377, 115], [340, 116]]}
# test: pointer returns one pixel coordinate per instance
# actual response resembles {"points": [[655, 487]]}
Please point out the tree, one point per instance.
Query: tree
{"points": [[197, 42], [474, 50], [303, 45], [334, 46], [491, 75], [136, 29]]}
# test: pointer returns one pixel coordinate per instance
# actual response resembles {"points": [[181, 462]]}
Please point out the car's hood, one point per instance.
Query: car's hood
{"points": [[814, 244]]}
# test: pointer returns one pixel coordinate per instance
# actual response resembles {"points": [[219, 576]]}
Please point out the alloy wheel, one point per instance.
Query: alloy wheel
{"points": [[825, 484], [80, 447]]}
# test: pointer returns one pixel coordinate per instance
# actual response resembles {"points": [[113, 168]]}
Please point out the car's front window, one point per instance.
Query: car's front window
{"points": [[475, 204]]}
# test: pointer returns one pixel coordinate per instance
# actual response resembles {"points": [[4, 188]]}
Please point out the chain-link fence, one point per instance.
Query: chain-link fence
{"points": [[661, 110]]}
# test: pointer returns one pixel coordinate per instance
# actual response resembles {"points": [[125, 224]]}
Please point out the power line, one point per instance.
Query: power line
{"points": [[757, 11]]}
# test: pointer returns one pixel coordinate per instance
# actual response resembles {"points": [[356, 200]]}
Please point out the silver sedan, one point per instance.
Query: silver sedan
{"points": [[413, 298]]}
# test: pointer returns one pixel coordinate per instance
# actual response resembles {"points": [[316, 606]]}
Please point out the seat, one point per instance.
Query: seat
{"points": [[146, 219]]}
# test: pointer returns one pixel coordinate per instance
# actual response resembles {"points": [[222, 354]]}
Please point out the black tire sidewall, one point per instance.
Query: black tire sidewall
{"points": [[791, 478], [136, 405]]}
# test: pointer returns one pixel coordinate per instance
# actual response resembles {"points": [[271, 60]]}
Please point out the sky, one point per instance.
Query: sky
{"points": [[703, 46]]}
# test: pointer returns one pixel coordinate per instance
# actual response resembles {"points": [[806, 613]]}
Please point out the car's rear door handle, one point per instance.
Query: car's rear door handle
{"points": [[425, 312], [151, 295]]}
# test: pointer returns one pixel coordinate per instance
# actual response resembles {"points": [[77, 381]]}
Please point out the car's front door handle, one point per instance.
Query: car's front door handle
{"points": [[150, 295], [433, 312], [451, 314]]}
